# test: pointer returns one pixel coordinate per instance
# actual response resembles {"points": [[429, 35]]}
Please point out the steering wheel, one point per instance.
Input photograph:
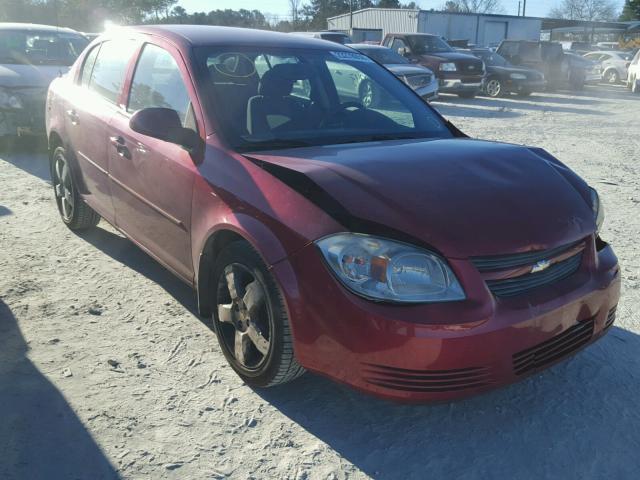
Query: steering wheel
{"points": [[339, 112]]}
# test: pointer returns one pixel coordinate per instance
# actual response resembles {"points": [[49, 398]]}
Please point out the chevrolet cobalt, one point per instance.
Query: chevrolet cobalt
{"points": [[378, 246]]}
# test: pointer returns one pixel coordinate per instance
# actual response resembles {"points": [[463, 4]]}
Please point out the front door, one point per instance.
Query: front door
{"points": [[152, 180]]}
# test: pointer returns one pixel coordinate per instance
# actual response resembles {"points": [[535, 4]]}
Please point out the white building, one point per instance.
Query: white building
{"points": [[372, 24]]}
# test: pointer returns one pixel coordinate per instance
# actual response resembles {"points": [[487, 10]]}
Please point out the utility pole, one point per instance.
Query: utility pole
{"points": [[519, 5], [524, 8]]}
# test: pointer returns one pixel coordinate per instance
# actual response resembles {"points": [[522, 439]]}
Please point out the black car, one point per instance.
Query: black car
{"points": [[560, 68], [504, 78]]}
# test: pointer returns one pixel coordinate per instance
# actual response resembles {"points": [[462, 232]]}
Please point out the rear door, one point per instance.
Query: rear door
{"points": [[152, 180], [88, 114]]}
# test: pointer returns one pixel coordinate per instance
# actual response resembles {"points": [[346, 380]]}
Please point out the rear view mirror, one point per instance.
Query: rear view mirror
{"points": [[404, 51], [164, 124]]}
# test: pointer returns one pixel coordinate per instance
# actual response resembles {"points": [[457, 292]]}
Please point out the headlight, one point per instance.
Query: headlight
{"points": [[9, 101], [518, 76], [598, 209], [448, 67], [381, 269]]}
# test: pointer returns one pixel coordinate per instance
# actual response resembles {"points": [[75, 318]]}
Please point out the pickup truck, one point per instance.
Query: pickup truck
{"points": [[458, 73]]}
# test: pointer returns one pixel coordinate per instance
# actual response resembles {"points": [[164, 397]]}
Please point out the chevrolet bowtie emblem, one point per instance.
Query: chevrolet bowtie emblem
{"points": [[540, 266]]}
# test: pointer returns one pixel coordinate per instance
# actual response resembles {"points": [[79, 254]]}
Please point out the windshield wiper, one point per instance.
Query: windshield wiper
{"points": [[273, 144]]}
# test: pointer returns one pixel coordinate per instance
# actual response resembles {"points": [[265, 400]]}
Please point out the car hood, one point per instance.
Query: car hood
{"points": [[452, 56], [12, 75], [404, 69], [461, 197]]}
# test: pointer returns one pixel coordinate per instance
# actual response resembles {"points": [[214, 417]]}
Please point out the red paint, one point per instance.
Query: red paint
{"points": [[459, 197]]}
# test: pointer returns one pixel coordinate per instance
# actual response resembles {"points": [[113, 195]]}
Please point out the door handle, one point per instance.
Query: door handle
{"points": [[120, 145], [73, 116]]}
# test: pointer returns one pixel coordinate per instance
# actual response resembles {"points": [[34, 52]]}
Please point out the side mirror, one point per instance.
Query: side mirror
{"points": [[164, 124]]}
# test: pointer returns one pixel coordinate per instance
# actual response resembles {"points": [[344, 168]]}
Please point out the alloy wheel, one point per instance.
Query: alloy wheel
{"points": [[612, 76], [493, 88], [243, 316], [63, 187]]}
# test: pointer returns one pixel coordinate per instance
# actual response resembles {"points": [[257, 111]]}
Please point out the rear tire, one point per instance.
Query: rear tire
{"points": [[74, 212], [250, 319]]}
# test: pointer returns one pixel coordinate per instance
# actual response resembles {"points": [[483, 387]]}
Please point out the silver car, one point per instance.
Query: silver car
{"points": [[419, 78], [615, 64], [31, 56]]}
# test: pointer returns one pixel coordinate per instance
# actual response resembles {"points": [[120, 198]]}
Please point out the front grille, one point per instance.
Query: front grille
{"points": [[502, 262], [470, 67], [514, 275], [611, 317], [515, 286], [427, 380], [418, 81], [553, 349]]}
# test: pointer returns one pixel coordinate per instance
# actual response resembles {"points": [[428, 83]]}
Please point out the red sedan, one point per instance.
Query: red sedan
{"points": [[378, 246]]}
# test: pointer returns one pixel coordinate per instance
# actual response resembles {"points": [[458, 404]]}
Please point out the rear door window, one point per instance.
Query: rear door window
{"points": [[110, 67], [157, 82]]}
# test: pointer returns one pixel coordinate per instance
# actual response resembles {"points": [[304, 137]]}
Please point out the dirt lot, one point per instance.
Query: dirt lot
{"points": [[105, 371]]}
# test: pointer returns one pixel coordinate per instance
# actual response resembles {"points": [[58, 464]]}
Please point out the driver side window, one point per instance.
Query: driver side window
{"points": [[157, 82], [397, 45]]}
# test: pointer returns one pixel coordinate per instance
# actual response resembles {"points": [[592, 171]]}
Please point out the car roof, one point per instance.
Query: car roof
{"points": [[607, 52], [413, 34], [35, 27], [367, 46], [209, 35]]}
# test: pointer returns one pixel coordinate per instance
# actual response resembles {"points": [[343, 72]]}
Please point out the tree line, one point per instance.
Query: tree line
{"points": [[90, 15]]}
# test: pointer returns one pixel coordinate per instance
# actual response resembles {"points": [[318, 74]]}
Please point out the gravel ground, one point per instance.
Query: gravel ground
{"points": [[105, 371]]}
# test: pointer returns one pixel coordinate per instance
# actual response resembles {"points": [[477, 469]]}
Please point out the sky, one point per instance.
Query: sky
{"points": [[535, 8]]}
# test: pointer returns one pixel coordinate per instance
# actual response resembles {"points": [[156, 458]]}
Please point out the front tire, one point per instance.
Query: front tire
{"points": [[612, 76], [635, 88], [494, 88], [250, 319], [74, 212]]}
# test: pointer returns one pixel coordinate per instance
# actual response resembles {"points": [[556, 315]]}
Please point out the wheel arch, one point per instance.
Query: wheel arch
{"points": [[249, 230]]}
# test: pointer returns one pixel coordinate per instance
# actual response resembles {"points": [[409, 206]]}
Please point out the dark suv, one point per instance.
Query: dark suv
{"points": [[558, 67], [457, 72]]}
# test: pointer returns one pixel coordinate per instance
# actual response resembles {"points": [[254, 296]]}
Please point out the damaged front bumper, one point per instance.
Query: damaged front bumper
{"points": [[22, 113]]}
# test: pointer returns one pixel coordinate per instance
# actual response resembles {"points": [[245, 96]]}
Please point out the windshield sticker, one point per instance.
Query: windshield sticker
{"points": [[351, 56]]}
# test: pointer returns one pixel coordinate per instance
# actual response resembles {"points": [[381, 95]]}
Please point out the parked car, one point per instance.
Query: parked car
{"points": [[614, 64], [503, 78], [383, 249], [578, 47], [560, 68], [336, 37], [31, 56], [419, 78], [633, 76], [457, 72]]}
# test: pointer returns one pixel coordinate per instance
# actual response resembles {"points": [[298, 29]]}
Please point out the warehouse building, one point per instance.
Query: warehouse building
{"points": [[371, 24]]}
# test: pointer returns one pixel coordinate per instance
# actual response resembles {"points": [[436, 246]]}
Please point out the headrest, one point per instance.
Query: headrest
{"points": [[279, 80]]}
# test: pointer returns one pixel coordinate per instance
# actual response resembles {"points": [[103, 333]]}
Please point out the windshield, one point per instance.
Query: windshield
{"points": [[384, 56], [29, 47], [292, 98], [493, 59], [421, 44]]}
